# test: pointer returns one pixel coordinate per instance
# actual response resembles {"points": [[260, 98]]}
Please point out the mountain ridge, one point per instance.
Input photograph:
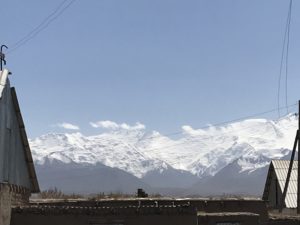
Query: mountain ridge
{"points": [[159, 160]]}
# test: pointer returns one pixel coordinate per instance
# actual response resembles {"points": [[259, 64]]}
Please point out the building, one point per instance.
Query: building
{"points": [[17, 174], [275, 182], [143, 211]]}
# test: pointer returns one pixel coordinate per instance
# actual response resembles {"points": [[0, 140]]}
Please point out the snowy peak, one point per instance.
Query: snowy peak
{"points": [[114, 149], [202, 152]]}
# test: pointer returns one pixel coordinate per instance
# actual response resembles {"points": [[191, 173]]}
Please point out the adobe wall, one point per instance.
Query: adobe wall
{"points": [[5, 205], [18, 195], [241, 218], [138, 212], [209, 206], [284, 222], [112, 220], [83, 215], [215, 206], [10, 196]]}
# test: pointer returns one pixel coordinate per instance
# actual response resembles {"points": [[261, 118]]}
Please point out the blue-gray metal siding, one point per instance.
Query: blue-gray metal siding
{"points": [[13, 163]]}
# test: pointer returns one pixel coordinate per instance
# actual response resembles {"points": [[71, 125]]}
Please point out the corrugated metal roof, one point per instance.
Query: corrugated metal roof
{"points": [[281, 169], [4, 83], [29, 161]]}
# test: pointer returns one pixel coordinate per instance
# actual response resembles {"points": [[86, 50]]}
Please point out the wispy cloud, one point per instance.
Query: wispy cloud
{"points": [[191, 131], [107, 124], [67, 126]]}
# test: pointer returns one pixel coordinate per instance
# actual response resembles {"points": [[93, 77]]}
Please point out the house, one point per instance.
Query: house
{"points": [[17, 173], [275, 182]]}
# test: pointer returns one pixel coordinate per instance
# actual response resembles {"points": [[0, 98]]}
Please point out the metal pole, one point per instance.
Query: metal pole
{"points": [[298, 180], [289, 172]]}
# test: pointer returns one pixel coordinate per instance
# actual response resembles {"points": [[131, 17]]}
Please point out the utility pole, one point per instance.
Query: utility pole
{"points": [[296, 142], [298, 177]]}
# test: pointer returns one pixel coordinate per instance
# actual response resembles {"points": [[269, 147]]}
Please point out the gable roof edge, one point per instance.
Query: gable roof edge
{"points": [[268, 182], [28, 157]]}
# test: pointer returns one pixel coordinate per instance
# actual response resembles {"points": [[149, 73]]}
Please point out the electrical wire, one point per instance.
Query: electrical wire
{"points": [[287, 56], [226, 122], [280, 70], [228, 132], [58, 11], [284, 55], [40, 25], [205, 127], [182, 143]]}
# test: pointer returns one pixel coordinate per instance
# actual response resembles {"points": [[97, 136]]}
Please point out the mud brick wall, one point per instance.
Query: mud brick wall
{"points": [[5, 205]]}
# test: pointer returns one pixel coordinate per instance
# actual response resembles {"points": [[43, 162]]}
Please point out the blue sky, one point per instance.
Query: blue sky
{"points": [[161, 63]]}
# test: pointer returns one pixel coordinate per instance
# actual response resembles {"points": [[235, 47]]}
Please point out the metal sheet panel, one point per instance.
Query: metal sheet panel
{"points": [[281, 169], [16, 165], [24, 140]]}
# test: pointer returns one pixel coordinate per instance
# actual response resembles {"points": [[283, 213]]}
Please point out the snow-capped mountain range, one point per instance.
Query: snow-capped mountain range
{"points": [[250, 144]]}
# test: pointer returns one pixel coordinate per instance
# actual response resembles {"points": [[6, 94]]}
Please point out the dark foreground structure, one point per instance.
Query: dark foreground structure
{"points": [[148, 212]]}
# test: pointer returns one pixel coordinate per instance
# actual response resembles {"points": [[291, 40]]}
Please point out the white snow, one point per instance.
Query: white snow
{"points": [[202, 152]]}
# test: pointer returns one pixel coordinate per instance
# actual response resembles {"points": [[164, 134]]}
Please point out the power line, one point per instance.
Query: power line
{"points": [[58, 11], [40, 25], [228, 121], [216, 124], [189, 141], [284, 55], [280, 70], [228, 132], [287, 56]]}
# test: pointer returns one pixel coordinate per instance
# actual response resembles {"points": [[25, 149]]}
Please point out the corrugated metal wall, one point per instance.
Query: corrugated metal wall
{"points": [[281, 169], [13, 167]]}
